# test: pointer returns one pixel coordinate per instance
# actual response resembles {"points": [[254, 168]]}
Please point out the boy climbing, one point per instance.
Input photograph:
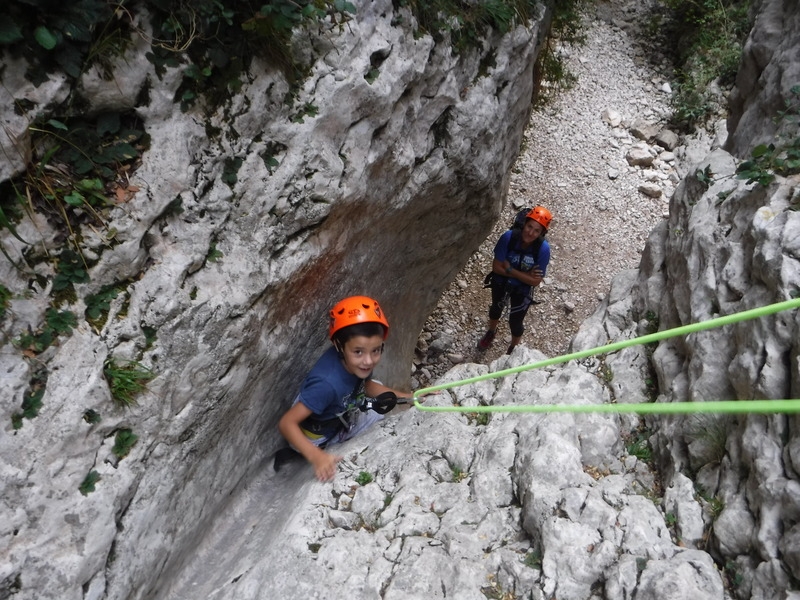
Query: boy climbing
{"points": [[335, 397]]}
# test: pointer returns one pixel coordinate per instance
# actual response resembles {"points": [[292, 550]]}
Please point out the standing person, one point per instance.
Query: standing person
{"points": [[331, 406], [520, 263]]}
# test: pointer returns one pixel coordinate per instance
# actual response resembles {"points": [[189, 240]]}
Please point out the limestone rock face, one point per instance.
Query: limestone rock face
{"points": [[769, 69], [377, 186]]}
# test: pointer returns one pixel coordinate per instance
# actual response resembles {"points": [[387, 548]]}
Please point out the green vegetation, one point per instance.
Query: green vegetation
{"points": [[711, 431], [551, 73], [71, 181], [713, 505], [126, 381], [458, 473], [32, 398], [606, 372], [639, 447], [98, 305], [87, 486], [733, 574], [123, 442], [533, 559], [213, 254], [56, 323], [5, 301], [364, 478], [464, 24], [781, 157], [706, 38], [478, 418], [91, 416]]}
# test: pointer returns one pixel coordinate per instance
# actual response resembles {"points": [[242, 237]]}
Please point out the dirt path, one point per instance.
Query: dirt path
{"points": [[573, 162]]}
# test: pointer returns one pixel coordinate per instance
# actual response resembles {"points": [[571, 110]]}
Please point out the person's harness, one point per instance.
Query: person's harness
{"points": [[500, 280], [316, 428]]}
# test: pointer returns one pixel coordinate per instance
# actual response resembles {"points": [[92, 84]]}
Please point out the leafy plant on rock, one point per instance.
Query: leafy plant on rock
{"points": [[778, 158], [79, 170], [98, 305], [88, 484], [70, 269], [533, 559], [31, 399], [91, 416], [124, 440], [217, 41], [56, 323]]}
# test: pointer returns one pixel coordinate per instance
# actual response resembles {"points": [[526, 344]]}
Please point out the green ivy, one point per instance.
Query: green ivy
{"points": [[231, 169]]}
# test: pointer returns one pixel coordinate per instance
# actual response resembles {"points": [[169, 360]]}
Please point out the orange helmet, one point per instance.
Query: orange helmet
{"points": [[356, 309], [541, 215]]}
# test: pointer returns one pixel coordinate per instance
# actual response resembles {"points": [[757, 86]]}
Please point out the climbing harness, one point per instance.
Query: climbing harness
{"points": [[722, 406]]}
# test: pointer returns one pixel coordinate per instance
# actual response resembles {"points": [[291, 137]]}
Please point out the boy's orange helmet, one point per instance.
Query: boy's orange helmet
{"points": [[356, 309], [541, 215]]}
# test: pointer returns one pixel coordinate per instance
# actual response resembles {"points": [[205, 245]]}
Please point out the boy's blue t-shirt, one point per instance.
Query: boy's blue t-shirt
{"points": [[328, 389], [522, 259]]}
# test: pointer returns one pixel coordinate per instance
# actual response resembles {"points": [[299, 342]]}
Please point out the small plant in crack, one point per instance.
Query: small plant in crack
{"points": [[363, 478], [639, 446], [458, 473]]}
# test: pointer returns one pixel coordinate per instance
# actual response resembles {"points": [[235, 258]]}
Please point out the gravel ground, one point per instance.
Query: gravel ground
{"points": [[573, 162]]}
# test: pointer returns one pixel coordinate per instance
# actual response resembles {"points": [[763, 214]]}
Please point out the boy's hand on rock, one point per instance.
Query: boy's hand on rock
{"points": [[325, 466]]}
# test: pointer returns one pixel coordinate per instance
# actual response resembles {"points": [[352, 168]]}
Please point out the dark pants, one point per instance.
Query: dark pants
{"points": [[518, 308]]}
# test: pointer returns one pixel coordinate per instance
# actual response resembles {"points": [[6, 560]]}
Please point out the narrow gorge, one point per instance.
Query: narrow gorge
{"points": [[226, 230]]}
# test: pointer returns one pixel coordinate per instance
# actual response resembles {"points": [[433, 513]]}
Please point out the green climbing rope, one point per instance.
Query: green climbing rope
{"points": [[722, 406]]}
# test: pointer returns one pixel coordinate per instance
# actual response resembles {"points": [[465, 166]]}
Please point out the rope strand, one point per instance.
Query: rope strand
{"points": [[722, 406]]}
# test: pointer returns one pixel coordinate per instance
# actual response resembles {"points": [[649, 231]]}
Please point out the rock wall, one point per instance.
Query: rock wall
{"points": [[715, 257], [770, 67], [383, 192]]}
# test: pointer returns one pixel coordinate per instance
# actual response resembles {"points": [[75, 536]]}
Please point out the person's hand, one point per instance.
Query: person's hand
{"points": [[325, 466], [537, 276]]}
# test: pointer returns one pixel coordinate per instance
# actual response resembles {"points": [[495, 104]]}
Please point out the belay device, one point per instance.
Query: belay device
{"points": [[382, 403]]}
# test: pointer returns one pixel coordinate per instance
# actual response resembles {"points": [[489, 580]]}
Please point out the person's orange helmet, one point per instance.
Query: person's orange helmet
{"points": [[541, 215], [356, 309]]}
